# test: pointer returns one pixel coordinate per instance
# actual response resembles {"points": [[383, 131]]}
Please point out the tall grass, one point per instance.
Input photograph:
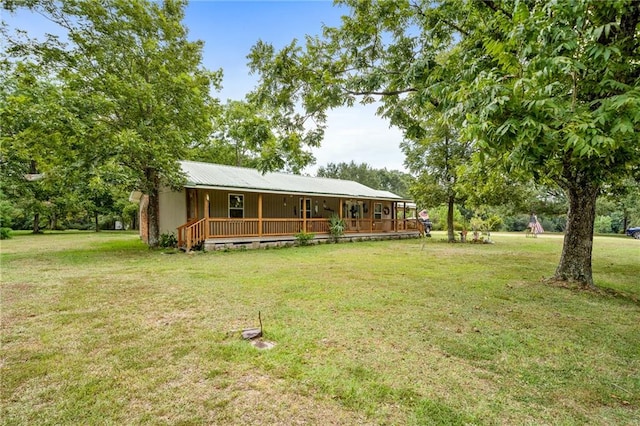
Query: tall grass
{"points": [[96, 328]]}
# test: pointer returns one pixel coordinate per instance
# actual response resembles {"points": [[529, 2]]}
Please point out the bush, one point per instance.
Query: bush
{"points": [[521, 222], [199, 246], [438, 217], [304, 238], [617, 222], [602, 225], [80, 226], [493, 223], [7, 212], [108, 222], [168, 240], [517, 223], [5, 233]]}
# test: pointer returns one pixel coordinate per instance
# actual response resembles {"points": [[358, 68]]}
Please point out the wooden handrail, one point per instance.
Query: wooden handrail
{"points": [[192, 233], [181, 230]]}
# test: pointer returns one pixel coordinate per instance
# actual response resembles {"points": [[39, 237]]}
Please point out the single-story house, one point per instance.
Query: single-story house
{"points": [[222, 205]]}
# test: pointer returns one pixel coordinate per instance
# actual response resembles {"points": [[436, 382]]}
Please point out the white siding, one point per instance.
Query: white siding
{"points": [[173, 210]]}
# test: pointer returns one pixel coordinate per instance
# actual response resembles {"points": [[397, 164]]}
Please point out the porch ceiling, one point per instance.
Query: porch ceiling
{"points": [[215, 176]]}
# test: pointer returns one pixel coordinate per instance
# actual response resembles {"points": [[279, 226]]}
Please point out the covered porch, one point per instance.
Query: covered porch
{"points": [[223, 217]]}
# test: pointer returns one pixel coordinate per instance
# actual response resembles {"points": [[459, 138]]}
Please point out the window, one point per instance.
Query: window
{"points": [[353, 210], [236, 205], [377, 211]]}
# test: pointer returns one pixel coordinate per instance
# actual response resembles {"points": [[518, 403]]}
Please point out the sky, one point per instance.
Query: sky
{"points": [[229, 28]]}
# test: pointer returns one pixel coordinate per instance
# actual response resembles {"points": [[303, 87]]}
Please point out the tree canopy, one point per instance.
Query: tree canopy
{"points": [[551, 88], [135, 92]]}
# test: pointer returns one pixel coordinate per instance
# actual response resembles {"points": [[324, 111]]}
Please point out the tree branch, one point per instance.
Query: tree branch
{"points": [[493, 6], [382, 93], [447, 22]]}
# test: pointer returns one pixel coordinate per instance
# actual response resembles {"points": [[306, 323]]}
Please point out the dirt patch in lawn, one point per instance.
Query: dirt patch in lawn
{"points": [[260, 399]]}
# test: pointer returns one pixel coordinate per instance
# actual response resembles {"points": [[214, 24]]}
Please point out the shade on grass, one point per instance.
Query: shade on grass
{"points": [[97, 328]]}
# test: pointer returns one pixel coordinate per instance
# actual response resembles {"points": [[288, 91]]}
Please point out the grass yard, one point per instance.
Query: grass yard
{"points": [[97, 329]]}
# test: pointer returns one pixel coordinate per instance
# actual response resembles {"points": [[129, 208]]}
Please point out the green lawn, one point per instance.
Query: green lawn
{"points": [[97, 329]]}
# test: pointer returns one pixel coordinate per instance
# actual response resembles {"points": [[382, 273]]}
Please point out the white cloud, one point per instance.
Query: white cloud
{"points": [[357, 134]]}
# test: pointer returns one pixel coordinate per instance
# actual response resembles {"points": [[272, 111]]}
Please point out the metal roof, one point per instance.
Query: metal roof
{"points": [[216, 176]]}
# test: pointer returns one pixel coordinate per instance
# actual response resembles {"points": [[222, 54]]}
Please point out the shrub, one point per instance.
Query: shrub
{"points": [[337, 226], [493, 223], [304, 238], [84, 226], [517, 223], [168, 240], [617, 222], [439, 218], [5, 233], [602, 224], [199, 246]]}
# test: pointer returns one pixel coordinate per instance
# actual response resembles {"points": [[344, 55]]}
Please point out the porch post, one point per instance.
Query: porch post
{"points": [[303, 211], [370, 216], [404, 215], [394, 215], [260, 215], [340, 208], [206, 216]]}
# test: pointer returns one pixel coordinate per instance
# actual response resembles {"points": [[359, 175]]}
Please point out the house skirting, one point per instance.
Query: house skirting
{"points": [[244, 243]]}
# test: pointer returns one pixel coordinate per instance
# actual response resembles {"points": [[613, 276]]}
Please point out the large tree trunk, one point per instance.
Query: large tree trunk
{"points": [[153, 209], [575, 262], [95, 218], [450, 231]]}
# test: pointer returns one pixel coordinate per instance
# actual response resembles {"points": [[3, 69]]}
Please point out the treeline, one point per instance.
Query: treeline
{"points": [[504, 206]]}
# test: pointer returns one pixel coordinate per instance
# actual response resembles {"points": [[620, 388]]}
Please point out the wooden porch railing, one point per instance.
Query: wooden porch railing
{"points": [[232, 228], [380, 225], [270, 227], [197, 231], [192, 233]]}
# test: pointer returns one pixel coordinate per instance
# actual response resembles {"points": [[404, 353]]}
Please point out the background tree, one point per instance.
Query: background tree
{"points": [[560, 95], [621, 204], [101, 191], [396, 181], [388, 180], [550, 87], [34, 142], [436, 157], [361, 173], [239, 133], [145, 96]]}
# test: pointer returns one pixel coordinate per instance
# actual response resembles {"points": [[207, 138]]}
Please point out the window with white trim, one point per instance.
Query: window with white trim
{"points": [[236, 205], [377, 211]]}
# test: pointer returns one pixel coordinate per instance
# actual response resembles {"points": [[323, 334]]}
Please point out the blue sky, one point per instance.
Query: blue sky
{"points": [[229, 28]]}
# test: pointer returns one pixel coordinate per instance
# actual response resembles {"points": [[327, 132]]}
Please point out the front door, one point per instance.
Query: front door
{"points": [[305, 208], [305, 213]]}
